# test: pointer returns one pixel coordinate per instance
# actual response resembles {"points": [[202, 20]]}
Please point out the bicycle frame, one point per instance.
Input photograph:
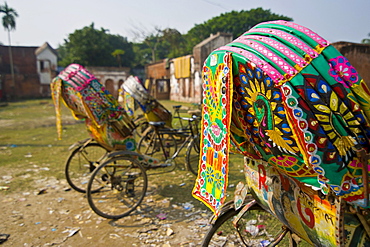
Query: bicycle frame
{"points": [[190, 134]]}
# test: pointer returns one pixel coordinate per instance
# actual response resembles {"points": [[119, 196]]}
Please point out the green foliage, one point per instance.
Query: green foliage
{"points": [[175, 42], [233, 22], [366, 41], [92, 47], [118, 55], [171, 43], [8, 19]]}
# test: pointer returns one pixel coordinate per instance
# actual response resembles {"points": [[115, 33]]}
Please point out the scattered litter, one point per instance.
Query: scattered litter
{"points": [[114, 235], [37, 223], [188, 206], [148, 229], [169, 232], [264, 243], [64, 211], [252, 229], [201, 222], [3, 237], [71, 231], [7, 177], [165, 203], [4, 187], [41, 192], [182, 184], [162, 216], [29, 155]]}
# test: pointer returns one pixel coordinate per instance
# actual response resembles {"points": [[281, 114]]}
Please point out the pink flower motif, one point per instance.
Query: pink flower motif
{"points": [[342, 71], [216, 129]]}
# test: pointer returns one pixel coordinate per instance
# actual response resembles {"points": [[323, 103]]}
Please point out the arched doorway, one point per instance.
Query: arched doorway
{"points": [[109, 85]]}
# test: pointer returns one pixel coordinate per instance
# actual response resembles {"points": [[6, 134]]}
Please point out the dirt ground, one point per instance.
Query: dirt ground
{"points": [[55, 215]]}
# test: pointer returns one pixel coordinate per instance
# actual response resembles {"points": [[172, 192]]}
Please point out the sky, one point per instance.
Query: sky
{"points": [[51, 21]]}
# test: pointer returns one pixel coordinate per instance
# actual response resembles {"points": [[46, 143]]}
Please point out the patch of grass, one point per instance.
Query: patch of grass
{"points": [[28, 140], [28, 143]]}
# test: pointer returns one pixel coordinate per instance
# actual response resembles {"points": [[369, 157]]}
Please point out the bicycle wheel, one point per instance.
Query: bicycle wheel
{"points": [[257, 227], [80, 164], [122, 183], [192, 155], [150, 144]]}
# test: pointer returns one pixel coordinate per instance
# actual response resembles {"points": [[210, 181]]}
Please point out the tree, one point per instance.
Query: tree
{"points": [[118, 55], [366, 41], [93, 47], [150, 39], [233, 22], [8, 21], [176, 42]]}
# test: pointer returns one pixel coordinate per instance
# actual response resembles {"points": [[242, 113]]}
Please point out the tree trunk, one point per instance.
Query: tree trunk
{"points": [[12, 86]]}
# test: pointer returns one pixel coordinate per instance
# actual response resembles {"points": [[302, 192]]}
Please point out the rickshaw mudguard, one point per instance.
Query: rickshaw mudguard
{"points": [[296, 103]]}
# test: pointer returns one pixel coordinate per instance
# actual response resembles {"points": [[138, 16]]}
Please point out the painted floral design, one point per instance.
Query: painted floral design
{"points": [[342, 71]]}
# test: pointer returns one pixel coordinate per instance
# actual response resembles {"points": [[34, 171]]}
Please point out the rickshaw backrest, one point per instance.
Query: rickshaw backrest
{"points": [[88, 99], [153, 110]]}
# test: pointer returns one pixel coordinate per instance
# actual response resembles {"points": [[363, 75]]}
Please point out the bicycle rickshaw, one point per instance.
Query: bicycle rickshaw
{"points": [[161, 135], [288, 101], [107, 166]]}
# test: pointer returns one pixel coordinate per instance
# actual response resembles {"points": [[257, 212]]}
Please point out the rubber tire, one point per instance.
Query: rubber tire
{"points": [[228, 214], [192, 155], [97, 175], [92, 165], [231, 212]]}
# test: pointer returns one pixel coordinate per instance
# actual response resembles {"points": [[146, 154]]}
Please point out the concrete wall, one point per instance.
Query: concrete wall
{"points": [[157, 79], [185, 89], [46, 68], [111, 77], [203, 49]]}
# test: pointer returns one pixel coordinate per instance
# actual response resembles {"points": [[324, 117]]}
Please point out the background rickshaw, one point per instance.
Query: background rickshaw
{"points": [[107, 166]]}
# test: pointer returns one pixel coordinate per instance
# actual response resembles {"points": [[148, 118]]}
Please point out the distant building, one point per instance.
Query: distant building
{"points": [[179, 79], [47, 60], [110, 77], [34, 68]]}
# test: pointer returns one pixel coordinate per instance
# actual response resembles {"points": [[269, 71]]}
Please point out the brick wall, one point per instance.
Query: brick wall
{"points": [[26, 78]]}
